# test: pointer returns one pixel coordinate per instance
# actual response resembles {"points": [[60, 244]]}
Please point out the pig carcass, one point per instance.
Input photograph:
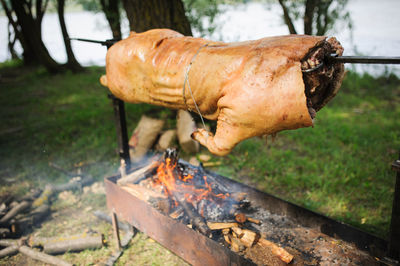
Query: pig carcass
{"points": [[251, 88]]}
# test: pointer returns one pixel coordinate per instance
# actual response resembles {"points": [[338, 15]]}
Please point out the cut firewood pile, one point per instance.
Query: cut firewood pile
{"points": [[19, 217], [151, 135], [220, 210]]}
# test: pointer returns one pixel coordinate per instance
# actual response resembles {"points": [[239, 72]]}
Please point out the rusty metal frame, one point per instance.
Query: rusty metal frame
{"points": [[193, 247], [394, 236]]}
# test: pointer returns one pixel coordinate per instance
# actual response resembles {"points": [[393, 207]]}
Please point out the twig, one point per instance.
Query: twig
{"points": [[43, 257]]}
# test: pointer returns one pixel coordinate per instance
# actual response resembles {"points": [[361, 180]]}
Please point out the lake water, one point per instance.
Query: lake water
{"points": [[376, 31]]}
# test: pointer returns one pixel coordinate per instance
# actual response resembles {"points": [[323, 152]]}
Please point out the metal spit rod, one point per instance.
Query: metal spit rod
{"points": [[364, 59], [333, 58]]}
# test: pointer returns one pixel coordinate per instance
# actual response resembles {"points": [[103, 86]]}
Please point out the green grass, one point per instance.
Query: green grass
{"points": [[341, 167]]}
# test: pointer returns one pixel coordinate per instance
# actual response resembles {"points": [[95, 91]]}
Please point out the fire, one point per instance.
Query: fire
{"points": [[192, 189]]}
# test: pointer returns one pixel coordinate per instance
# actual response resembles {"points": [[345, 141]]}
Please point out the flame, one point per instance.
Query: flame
{"points": [[193, 189]]}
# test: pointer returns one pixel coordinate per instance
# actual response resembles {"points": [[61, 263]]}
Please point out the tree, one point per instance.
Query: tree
{"points": [[112, 13], [72, 63], [319, 16], [151, 14], [111, 10], [25, 17], [28, 26], [201, 15]]}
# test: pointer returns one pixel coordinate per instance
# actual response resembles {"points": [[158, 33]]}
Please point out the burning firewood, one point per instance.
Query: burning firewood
{"points": [[276, 250], [142, 193], [240, 217], [138, 174], [236, 245], [219, 226], [247, 237], [254, 221]]}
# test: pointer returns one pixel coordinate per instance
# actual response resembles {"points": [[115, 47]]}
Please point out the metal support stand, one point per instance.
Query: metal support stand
{"points": [[116, 231], [122, 134], [394, 237]]}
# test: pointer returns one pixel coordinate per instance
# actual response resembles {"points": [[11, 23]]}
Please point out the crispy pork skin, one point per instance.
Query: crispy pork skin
{"points": [[251, 88]]}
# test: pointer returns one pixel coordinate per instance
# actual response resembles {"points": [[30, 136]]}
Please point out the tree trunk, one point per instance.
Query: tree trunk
{"points": [[286, 17], [32, 37], [28, 55], [111, 10], [72, 63], [309, 16], [151, 14], [11, 42]]}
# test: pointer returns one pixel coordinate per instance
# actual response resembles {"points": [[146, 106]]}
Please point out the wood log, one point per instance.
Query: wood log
{"points": [[51, 190], [276, 250], [240, 217], [8, 242], [236, 245], [218, 226], [20, 207], [9, 251], [239, 196], [32, 195], [4, 232], [36, 216], [185, 127], [227, 237], [143, 193], [43, 257], [140, 173], [144, 136], [176, 213], [247, 237], [73, 245], [254, 221], [196, 219], [166, 140]]}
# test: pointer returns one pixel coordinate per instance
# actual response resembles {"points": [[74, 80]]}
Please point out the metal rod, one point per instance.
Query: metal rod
{"points": [[107, 43], [394, 235], [116, 230], [122, 133], [365, 59]]}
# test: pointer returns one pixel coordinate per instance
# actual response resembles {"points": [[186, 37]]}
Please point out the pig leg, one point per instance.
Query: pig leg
{"points": [[225, 139]]}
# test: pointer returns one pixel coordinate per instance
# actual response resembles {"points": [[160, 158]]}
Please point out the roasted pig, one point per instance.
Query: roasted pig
{"points": [[251, 88]]}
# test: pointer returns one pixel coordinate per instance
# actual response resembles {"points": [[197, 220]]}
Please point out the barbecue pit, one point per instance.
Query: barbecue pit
{"points": [[311, 237]]}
